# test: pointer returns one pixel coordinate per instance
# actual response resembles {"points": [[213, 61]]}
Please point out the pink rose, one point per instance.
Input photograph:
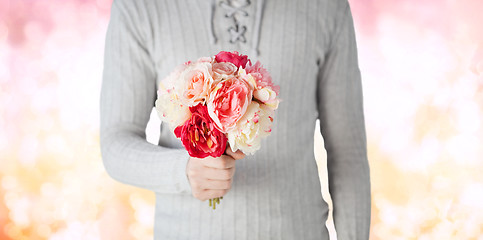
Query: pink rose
{"points": [[234, 57], [200, 136], [196, 82], [205, 59], [224, 70], [261, 76], [228, 102], [476, 64]]}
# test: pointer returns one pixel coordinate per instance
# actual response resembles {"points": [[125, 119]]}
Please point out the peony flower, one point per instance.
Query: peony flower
{"points": [[170, 109], [228, 102], [233, 57], [200, 136], [261, 76], [252, 127]]}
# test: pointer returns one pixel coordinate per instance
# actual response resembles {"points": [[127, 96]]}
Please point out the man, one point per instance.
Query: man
{"points": [[309, 48]]}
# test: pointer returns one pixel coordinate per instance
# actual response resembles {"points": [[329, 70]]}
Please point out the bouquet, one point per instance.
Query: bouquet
{"points": [[218, 101]]}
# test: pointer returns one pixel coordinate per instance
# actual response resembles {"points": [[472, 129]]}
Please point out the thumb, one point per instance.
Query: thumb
{"points": [[236, 155]]}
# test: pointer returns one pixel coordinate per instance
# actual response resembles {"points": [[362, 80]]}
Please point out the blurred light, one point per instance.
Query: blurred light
{"points": [[3, 32], [20, 212], [472, 196], [464, 149], [9, 182], [28, 150], [468, 116]]}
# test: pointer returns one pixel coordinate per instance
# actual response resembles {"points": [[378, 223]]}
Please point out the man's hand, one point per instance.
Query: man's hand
{"points": [[212, 177]]}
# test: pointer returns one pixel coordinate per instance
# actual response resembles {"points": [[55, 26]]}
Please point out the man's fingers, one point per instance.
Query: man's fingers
{"points": [[210, 177], [217, 185], [219, 174], [209, 194], [236, 155], [222, 162]]}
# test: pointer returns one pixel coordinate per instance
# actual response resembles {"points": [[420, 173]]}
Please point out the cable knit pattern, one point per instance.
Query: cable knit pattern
{"points": [[309, 48]]}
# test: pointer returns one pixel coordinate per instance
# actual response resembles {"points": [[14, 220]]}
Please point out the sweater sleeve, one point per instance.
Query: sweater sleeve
{"points": [[127, 98], [340, 106]]}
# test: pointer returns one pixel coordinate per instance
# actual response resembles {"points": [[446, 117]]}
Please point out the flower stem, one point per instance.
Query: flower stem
{"points": [[215, 201]]}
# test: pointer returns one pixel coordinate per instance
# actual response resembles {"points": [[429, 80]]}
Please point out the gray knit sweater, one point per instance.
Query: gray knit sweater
{"points": [[309, 48]]}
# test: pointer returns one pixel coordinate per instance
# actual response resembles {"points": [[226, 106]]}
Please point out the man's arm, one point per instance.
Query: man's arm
{"points": [[342, 125], [127, 99]]}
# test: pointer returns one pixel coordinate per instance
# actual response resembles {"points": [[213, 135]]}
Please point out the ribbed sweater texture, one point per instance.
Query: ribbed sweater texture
{"points": [[309, 48]]}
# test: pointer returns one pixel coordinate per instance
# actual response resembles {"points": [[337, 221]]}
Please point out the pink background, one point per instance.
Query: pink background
{"points": [[422, 70]]}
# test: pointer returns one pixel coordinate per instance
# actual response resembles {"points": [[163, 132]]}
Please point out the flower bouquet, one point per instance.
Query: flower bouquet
{"points": [[218, 101]]}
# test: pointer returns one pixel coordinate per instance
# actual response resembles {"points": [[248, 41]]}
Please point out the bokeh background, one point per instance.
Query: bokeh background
{"points": [[422, 70]]}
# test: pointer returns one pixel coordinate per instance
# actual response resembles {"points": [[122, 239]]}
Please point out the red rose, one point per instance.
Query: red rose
{"points": [[233, 57], [200, 136]]}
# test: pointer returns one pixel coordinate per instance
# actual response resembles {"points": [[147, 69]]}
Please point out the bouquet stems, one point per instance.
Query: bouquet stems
{"points": [[215, 201]]}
